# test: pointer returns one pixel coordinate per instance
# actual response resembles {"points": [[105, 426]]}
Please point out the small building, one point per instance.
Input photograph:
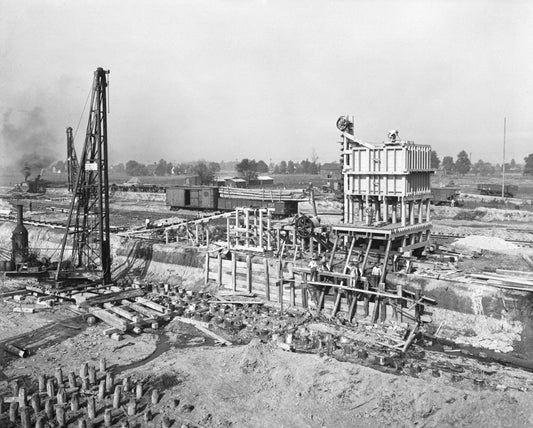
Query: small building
{"points": [[331, 171], [235, 182], [263, 181]]}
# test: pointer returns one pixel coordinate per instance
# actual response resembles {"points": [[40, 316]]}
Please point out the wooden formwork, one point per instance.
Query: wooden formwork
{"points": [[288, 285]]}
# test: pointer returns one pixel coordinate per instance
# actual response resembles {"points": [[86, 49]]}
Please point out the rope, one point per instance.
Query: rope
{"points": [[83, 111]]}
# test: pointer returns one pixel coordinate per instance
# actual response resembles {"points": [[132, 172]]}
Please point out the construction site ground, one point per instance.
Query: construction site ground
{"points": [[256, 381]]}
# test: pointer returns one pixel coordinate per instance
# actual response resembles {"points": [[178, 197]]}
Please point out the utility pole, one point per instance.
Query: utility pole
{"points": [[503, 163]]}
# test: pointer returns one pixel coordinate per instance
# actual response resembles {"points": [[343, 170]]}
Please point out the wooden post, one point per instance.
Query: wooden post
{"points": [[280, 281], [403, 203], [420, 211], [352, 244], [247, 226], [116, 397], [292, 284], [411, 212], [366, 302], [267, 279], [304, 290], [91, 408], [367, 252], [249, 272], [74, 402], [219, 258], [261, 229], [394, 213], [332, 256], [25, 420], [42, 383], [35, 403], [399, 301], [228, 228], [207, 268], [234, 271], [269, 230]]}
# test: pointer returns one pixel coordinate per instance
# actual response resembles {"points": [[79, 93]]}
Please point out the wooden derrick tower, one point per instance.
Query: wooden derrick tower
{"points": [[386, 194], [88, 223]]}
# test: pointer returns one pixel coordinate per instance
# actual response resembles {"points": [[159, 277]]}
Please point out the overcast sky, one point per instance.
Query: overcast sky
{"points": [[267, 79]]}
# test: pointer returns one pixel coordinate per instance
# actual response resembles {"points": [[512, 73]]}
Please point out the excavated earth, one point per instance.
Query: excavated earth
{"points": [[256, 382]]}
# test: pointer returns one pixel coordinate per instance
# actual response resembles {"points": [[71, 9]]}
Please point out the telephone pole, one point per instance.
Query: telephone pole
{"points": [[503, 163]]}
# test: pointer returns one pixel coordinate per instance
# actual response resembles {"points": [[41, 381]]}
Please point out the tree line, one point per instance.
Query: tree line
{"points": [[463, 165]]}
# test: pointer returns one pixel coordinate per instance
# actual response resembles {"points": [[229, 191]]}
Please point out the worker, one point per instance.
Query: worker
{"points": [[313, 267], [375, 275], [324, 265], [147, 223], [355, 274]]}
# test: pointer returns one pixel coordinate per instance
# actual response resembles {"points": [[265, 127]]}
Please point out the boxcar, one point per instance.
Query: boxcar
{"points": [[444, 195], [192, 197]]}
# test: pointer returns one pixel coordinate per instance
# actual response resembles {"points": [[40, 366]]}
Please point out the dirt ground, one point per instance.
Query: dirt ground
{"points": [[260, 384]]}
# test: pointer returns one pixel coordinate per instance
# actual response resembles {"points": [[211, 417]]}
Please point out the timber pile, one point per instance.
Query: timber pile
{"points": [[508, 279], [94, 397]]}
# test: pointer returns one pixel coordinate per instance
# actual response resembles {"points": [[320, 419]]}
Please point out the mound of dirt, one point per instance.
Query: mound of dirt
{"points": [[479, 242]]}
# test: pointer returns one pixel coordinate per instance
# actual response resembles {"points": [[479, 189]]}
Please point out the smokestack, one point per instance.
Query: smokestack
{"points": [[19, 239]]}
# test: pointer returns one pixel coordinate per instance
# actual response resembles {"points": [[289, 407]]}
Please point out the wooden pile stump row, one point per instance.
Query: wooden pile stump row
{"points": [[93, 397]]}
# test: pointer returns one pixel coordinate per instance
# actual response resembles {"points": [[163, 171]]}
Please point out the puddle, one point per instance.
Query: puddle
{"points": [[186, 337]]}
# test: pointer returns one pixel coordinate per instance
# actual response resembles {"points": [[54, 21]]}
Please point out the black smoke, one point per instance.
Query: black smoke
{"points": [[27, 140]]}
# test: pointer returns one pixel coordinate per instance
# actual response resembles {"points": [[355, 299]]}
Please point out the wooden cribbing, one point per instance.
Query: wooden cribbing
{"points": [[109, 318], [119, 310], [113, 297]]}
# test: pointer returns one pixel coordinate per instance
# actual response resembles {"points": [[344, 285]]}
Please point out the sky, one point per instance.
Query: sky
{"points": [[226, 80]]}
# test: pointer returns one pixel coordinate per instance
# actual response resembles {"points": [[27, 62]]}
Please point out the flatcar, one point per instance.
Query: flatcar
{"points": [[496, 189]]}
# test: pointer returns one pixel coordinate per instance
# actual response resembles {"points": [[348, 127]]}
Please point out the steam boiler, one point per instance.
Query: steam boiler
{"points": [[19, 240]]}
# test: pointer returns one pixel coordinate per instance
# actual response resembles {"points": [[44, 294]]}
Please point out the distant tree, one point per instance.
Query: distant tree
{"points": [[161, 168], [214, 166], [60, 166], [483, 168], [136, 169], [262, 167], [119, 168], [169, 169], [291, 167], [528, 168], [204, 171], [448, 164], [283, 167], [248, 169], [462, 164], [435, 161], [276, 169]]}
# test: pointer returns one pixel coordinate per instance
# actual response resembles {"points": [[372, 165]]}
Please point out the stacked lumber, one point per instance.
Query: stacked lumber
{"points": [[272, 195], [503, 278]]}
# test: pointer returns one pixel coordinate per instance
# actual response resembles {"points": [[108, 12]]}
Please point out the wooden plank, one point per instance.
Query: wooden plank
{"points": [[112, 297], [152, 305], [143, 310], [122, 312], [109, 318], [202, 326]]}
